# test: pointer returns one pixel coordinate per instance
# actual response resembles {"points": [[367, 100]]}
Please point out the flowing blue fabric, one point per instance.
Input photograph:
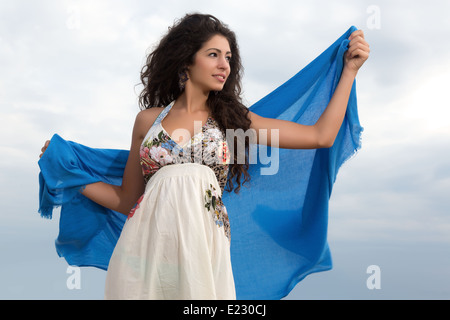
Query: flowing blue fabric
{"points": [[278, 224]]}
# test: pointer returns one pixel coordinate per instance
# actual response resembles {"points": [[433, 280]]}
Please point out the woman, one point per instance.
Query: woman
{"points": [[175, 243]]}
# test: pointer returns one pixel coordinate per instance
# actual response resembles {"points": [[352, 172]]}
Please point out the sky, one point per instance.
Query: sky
{"points": [[72, 67]]}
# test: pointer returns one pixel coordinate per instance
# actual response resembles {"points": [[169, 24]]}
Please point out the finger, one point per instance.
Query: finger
{"points": [[360, 54], [356, 52], [358, 39], [356, 33], [358, 46], [45, 145]]}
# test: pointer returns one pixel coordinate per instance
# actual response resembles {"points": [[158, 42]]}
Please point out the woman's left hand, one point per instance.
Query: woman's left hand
{"points": [[357, 53]]}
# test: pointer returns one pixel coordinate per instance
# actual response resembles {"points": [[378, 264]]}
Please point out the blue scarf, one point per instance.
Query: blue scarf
{"points": [[278, 224]]}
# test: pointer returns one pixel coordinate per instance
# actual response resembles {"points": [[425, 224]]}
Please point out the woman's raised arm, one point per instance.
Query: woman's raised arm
{"points": [[322, 134]]}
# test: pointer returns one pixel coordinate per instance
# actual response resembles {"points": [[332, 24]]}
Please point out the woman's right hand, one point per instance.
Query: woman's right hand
{"points": [[44, 147]]}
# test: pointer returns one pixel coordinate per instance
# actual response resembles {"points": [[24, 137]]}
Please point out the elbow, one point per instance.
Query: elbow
{"points": [[125, 212], [130, 205], [325, 142], [126, 208], [321, 137], [324, 138]]}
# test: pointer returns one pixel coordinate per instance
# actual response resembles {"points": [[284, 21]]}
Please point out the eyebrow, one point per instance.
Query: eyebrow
{"points": [[220, 51]]}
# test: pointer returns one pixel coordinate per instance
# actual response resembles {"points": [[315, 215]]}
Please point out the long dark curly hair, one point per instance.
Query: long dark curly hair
{"points": [[176, 51]]}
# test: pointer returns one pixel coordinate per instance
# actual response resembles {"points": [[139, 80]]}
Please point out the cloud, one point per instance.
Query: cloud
{"points": [[394, 191]]}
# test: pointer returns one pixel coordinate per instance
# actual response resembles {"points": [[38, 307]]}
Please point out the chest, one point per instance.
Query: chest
{"points": [[181, 127], [208, 147]]}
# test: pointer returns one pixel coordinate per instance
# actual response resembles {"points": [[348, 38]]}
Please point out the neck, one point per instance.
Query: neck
{"points": [[193, 100]]}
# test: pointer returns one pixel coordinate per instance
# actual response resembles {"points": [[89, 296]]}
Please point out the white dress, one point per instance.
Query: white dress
{"points": [[175, 243]]}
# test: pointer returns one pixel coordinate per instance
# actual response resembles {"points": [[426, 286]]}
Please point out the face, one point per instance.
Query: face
{"points": [[211, 66]]}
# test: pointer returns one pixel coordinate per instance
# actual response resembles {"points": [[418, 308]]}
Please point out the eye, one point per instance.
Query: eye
{"points": [[213, 54], [228, 58]]}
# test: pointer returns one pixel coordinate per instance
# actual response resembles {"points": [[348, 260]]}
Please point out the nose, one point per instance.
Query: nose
{"points": [[224, 64]]}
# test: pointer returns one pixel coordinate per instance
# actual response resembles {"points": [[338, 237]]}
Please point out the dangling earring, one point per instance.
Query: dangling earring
{"points": [[182, 80]]}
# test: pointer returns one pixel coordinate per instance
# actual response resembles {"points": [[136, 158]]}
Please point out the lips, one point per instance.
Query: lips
{"points": [[220, 76]]}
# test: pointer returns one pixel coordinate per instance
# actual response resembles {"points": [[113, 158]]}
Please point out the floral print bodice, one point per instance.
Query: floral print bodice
{"points": [[208, 147]]}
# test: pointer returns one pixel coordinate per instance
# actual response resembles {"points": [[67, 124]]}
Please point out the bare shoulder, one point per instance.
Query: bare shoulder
{"points": [[144, 121], [256, 121], [253, 115]]}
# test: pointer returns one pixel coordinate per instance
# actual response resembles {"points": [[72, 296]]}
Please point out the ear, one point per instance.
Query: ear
{"points": [[187, 71]]}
